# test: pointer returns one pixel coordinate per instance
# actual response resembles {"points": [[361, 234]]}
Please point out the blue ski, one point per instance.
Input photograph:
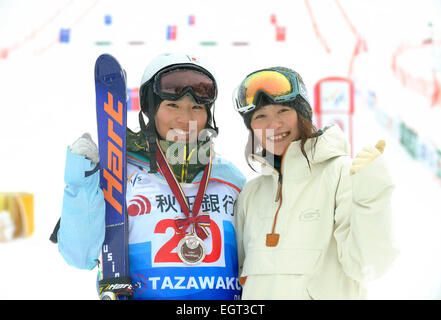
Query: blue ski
{"points": [[111, 110]]}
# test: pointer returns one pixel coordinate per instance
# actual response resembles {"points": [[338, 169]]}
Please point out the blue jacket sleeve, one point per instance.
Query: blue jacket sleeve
{"points": [[82, 225]]}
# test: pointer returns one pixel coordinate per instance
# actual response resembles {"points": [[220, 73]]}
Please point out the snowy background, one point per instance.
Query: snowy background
{"points": [[48, 101]]}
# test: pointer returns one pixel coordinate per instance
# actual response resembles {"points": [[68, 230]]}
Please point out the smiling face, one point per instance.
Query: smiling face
{"points": [[275, 127], [180, 120]]}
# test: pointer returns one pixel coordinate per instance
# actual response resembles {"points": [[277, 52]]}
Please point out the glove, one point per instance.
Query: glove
{"points": [[85, 146], [7, 226], [366, 156]]}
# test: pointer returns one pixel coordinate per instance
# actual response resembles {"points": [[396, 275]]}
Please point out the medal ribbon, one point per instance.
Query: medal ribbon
{"points": [[200, 221]]}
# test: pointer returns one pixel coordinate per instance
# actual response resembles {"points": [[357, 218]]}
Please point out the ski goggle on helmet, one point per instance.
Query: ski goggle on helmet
{"points": [[277, 85], [174, 74], [174, 82]]}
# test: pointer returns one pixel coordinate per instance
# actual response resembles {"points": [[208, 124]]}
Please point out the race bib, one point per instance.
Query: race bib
{"points": [[156, 269]]}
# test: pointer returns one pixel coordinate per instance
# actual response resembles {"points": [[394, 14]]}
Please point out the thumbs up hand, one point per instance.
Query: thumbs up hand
{"points": [[85, 146], [366, 156]]}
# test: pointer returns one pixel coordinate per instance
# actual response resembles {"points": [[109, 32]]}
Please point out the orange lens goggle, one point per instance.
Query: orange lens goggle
{"points": [[279, 86]]}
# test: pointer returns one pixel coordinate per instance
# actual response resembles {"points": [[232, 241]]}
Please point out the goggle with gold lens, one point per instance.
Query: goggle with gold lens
{"points": [[279, 86]]}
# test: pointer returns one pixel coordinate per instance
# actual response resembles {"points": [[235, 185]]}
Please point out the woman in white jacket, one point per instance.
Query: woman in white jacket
{"points": [[314, 224]]}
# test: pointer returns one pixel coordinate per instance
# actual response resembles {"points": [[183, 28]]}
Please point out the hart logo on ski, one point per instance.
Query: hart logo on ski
{"points": [[114, 162], [111, 107], [112, 287]]}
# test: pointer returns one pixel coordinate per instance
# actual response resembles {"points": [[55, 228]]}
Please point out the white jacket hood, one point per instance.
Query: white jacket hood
{"points": [[332, 143]]}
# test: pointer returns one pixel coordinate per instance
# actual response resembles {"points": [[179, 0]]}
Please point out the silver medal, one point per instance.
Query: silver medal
{"points": [[191, 249]]}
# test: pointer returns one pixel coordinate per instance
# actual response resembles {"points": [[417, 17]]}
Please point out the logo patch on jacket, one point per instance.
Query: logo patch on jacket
{"points": [[139, 205], [309, 215]]}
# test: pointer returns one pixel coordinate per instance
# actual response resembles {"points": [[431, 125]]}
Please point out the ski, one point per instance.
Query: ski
{"points": [[111, 110]]}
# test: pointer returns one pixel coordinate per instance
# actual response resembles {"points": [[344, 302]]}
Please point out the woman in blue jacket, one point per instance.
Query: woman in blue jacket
{"points": [[177, 94]]}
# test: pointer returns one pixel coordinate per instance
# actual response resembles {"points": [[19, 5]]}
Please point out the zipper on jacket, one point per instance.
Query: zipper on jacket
{"points": [[279, 189], [272, 239]]}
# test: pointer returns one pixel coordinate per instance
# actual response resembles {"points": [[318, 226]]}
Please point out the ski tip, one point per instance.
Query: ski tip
{"points": [[108, 69]]}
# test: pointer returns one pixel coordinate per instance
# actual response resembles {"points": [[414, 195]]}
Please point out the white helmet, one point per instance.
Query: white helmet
{"points": [[165, 61], [169, 59]]}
